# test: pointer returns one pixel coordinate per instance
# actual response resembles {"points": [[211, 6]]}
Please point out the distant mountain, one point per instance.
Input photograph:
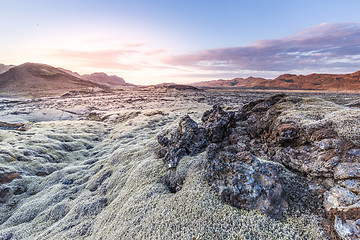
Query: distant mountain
{"points": [[313, 81], [103, 78], [236, 82], [40, 79], [70, 72], [5, 68], [100, 78]]}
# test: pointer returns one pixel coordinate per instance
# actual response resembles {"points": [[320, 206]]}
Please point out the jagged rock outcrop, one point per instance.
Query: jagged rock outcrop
{"points": [[316, 138], [238, 177], [217, 123], [318, 141]]}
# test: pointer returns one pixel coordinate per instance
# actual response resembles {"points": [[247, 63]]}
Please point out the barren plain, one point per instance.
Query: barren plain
{"points": [[85, 166]]}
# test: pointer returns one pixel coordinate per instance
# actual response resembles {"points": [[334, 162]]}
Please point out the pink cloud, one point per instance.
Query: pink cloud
{"points": [[107, 59]]}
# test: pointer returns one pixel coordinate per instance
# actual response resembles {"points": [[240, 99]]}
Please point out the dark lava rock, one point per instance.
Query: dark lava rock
{"points": [[8, 177], [311, 165], [176, 87], [41, 173], [188, 139], [68, 182], [216, 123], [3, 192], [233, 172], [244, 182]]}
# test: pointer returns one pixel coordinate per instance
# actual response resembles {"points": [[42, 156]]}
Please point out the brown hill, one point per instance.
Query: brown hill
{"points": [[333, 82], [103, 78], [315, 82], [40, 79]]}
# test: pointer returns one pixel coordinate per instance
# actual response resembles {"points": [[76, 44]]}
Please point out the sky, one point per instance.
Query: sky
{"points": [[150, 42]]}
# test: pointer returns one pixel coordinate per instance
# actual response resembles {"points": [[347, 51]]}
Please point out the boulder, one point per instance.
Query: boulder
{"points": [[244, 182]]}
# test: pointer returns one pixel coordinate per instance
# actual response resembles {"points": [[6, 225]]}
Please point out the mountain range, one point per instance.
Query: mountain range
{"points": [[40, 79], [332, 82]]}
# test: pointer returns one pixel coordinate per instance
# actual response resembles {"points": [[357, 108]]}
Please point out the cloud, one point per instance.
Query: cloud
{"points": [[133, 45], [155, 52], [106, 59], [325, 46], [128, 59]]}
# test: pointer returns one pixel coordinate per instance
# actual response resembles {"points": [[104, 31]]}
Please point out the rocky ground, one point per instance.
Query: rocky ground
{"points": [[173, 165]]}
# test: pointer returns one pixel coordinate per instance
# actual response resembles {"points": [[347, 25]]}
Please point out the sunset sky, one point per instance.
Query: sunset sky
{"points": [[148, 42]]}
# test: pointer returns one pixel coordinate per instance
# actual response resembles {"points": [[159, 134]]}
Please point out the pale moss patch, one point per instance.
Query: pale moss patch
{"points": [[119, 191]]}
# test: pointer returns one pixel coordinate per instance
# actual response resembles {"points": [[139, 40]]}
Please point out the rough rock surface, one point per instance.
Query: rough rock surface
{"points": [[234, 173], [189, 139], [318, 139], [217, 123], [244, 182]]}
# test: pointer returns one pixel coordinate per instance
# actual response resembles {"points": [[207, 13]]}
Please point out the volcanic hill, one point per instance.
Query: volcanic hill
{"points": [[40, 79]]}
